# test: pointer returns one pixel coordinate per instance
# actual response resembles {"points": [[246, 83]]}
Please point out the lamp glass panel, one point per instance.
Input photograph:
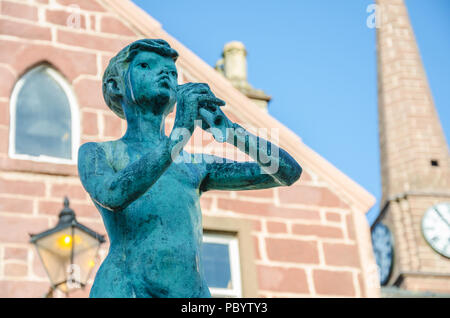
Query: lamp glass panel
{"points": [[85, 253], [55, 252]]}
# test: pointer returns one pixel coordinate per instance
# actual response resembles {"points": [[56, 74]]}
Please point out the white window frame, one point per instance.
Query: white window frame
{"points": [[74, 113], [235, 264]]}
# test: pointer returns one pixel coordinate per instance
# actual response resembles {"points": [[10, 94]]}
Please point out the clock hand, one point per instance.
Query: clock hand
{"points": [[440, 215]]}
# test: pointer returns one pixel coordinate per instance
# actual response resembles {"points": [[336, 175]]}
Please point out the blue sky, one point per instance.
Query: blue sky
{"points": [[317, 59]]}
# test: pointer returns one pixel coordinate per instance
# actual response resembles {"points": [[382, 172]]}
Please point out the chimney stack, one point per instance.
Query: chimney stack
{"points": [[233, 66], [235, 63]]}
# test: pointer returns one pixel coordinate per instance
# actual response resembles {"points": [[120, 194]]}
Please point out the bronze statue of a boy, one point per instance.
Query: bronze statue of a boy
{"points": [[149, 200]]}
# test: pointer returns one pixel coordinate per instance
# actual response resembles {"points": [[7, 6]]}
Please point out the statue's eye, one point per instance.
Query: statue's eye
{"points": [[143, 65], [174, 73]]}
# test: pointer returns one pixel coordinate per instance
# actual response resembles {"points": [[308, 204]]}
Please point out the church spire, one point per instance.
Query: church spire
{"points": [[414, 152]]}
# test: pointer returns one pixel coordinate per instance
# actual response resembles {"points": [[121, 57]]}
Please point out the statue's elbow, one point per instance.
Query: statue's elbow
{"points": [[113, 201], [116, 207], [289, 170], [289, 174], [110, 205], [294, 174]]}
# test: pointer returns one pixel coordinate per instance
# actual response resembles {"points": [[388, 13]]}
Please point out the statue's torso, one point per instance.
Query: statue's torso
{"points": [[156, 240]]}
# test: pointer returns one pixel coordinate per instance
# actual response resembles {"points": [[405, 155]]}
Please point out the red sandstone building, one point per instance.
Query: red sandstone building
{"points": [[308, 240]]}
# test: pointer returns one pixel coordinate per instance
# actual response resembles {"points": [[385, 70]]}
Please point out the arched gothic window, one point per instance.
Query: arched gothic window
{"points": [[44, 118]]}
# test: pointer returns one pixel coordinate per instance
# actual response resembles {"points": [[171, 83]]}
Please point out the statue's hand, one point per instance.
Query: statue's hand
{"points": [[199, 97], [191, 98], [215, 121]]}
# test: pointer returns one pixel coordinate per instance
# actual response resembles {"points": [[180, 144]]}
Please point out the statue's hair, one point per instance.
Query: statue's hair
{"points": [[118, 67]]}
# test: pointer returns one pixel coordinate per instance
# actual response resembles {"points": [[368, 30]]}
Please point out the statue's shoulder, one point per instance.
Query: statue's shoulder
{"points": [[111, 153], [87, 150], [108, 149], [91, 148]]}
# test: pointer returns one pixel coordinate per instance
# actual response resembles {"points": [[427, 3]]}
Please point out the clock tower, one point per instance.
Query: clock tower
{"points": [[415, 163]]}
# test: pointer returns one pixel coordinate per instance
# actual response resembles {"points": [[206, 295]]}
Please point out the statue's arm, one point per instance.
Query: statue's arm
{"points": [[270, 169], [116, 190]]}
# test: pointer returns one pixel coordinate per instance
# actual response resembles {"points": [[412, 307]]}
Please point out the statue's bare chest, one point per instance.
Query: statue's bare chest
{"points": [[181, 176]]}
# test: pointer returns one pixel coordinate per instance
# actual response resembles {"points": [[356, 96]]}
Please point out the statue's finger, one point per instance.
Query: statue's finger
{"points": [[205, 125], [209, 106], [207, 116], [220, 102], [212, 99], [204, 85], [207, 99]]}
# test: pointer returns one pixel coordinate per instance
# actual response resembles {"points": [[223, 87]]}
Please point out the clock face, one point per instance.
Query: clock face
{"points": [[436, 228], [383, 249]]}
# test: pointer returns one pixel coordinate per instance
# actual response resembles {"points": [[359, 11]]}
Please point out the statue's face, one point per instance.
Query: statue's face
{"points": [[153, 79]]}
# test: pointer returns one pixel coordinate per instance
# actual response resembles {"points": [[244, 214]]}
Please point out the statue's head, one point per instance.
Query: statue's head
{"points": [[143, 74]]}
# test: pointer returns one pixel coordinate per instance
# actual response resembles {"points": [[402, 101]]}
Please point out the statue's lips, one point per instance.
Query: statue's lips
{"points": [[164, 81]]}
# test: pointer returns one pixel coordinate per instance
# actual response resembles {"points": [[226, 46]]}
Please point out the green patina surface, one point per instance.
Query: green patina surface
{"points": [[146, 186]]}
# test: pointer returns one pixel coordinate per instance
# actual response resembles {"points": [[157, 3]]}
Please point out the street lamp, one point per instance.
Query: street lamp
{"points": [[67, 251]]}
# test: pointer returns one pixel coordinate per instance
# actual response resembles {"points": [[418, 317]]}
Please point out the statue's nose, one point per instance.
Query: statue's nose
{"points": [[163, 71]]}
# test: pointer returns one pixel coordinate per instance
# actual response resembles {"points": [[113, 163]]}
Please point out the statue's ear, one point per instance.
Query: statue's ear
{"points": [[113, 89]]}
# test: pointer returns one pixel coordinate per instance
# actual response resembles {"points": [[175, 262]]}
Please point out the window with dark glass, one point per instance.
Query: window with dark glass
{"points": [[221, 266], [216, 260], [43, 123]]}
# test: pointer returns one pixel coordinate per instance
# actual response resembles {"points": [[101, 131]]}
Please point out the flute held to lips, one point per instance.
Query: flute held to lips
{"points": [[212, 117]]}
